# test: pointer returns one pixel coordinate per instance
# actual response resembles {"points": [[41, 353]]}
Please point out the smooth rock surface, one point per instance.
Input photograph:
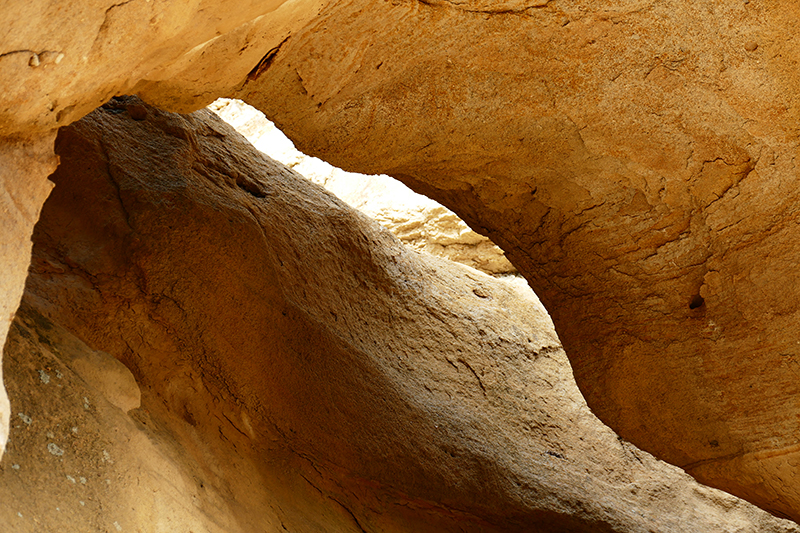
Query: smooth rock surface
{"points": [[416, 220], [299, 368], [636, 160]]}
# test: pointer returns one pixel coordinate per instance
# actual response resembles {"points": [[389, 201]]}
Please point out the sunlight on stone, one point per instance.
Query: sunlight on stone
{"points": [[418, 221]]}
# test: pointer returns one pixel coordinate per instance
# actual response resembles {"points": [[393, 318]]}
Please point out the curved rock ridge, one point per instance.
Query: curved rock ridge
{"points": [[298, 368], [636, 160], [416, 220]]}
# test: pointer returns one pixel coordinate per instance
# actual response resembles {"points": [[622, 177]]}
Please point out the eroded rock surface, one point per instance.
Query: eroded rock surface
{"points": [[298, 368], [636, 160], [60, 60]]}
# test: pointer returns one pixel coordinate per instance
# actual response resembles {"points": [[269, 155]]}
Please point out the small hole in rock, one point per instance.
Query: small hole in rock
{"points": [[251, 188], [696, 302]]}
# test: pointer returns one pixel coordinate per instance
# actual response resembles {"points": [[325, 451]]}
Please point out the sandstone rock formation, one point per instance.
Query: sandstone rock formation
{"points": [[297, 367], [635, 159], [416, 220], [637, 162], [60, 61]]}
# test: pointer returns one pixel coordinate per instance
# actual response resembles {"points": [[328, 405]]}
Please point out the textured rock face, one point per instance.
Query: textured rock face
{"points": [[637, 162], [297, 367], [416, 220], [636, 159]]}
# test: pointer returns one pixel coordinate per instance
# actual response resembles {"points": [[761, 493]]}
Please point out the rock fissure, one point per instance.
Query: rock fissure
{"points": [[505, 7], [265, 61], [115, 184], [349, 512], [477, 377]]}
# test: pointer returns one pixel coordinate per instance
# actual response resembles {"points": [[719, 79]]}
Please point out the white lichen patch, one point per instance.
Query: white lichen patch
{"points": [[117, 526], [85, 402], [25, 418], [55, 450], [72, 479], [44, 377], [15, 466]]}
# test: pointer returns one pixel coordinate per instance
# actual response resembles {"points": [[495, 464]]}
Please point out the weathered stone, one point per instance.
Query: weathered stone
{"points": [[416, 220], [637, 162], [299, 368], [59, 61]]}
